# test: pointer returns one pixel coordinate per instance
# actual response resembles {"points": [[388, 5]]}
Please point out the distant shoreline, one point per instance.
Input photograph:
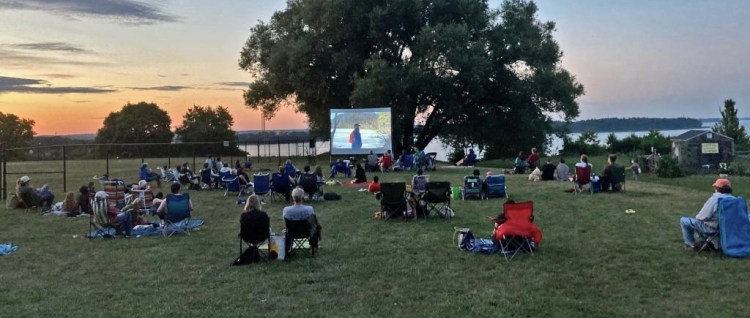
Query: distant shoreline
{"points": [[300, 132]]}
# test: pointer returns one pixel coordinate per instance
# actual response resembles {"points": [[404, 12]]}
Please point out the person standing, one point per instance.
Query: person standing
{"points": [[707, 219], [355, 138]]}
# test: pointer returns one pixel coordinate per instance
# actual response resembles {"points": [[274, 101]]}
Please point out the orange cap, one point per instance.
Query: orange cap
{"points": [[722, 183]]}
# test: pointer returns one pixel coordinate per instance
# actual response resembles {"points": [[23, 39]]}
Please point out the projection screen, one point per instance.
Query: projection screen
{"points": [[357, 131]]}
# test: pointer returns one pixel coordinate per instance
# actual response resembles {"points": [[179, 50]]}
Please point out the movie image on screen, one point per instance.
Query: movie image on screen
{"points": [[357, 131]]}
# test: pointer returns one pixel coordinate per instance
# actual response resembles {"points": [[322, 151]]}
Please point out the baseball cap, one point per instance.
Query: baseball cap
{"points": [[25, 179], [722, 183]]}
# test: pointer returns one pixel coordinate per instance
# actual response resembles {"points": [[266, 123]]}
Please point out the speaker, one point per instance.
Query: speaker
{"points": [[312, 142]]}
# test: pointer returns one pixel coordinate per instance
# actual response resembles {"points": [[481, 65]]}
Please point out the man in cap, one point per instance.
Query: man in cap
{"points": [[355, 138], [707, 219]]}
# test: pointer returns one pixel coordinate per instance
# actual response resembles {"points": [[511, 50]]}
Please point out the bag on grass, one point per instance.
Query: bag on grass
{"points": [[250, 255], [467, 241], [331, 196]]}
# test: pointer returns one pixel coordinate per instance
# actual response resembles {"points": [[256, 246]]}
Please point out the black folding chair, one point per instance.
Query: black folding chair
{"points": [[392, 198], [437, 197]]}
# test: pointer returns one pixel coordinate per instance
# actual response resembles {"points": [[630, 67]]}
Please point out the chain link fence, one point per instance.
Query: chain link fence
{"points": [[71, 166]]}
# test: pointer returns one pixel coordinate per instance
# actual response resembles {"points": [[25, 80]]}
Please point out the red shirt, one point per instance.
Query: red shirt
{"points": [[373, 187]]}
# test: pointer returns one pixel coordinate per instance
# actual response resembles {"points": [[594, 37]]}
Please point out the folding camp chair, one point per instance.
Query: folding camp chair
{"points": [[472, 188], [309, 183], [496, 187], [255, 228], [115, 190], [419, 184], [437, 197], [99, 220], [583, 179], [231, 184], [518, 233], [146, 205], [298, 234], [735, 227], [280, 186], [617, 179], [262, 184], [177, 214], [167, 175], [392, 198]]}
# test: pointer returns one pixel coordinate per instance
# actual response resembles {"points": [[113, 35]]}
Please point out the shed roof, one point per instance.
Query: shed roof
{"points": [[690, 134]]}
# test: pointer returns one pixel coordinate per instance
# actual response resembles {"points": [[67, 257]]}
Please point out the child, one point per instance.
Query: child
{"points": [[374, 186], [636, 168], [70, 206]]}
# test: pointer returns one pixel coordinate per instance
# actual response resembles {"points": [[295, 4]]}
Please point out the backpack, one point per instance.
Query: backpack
{"points": [[250, 255], [12, 201]]}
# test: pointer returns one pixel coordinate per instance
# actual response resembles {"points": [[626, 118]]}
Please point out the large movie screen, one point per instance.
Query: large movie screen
{"points": [[357, 131]]}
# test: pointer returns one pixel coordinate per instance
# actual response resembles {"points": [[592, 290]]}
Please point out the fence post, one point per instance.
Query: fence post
{"points": [[169, 156], [107, 168], [5, 172], [65, 173]]}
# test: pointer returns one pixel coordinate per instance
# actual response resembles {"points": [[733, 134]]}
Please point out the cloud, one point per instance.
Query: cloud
{"points": [[123, 11], [242, 84], [160, 88], [35, 86], [25, 59], [58, 75], [50, 46]]}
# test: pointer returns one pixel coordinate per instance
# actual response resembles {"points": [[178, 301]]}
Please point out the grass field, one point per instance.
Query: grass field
{"points": [[594, 260]]}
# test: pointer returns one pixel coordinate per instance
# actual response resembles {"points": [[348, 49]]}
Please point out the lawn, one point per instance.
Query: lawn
{"points": [[594, 260]]}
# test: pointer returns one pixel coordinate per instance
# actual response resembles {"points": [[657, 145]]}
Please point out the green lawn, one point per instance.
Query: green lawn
{"points": [[594, 260]]}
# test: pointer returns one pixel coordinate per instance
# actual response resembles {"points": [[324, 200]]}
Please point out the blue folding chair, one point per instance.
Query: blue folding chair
{"points": [[262, 184], [177, 216], [496, 187]]}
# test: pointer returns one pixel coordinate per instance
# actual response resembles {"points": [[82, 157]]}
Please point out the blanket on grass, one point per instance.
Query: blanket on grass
{"points": [[148, 230], [7, 248]]}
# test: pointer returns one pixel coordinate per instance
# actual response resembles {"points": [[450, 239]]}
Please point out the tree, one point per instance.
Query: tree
{"points": [[136, 123], [207, 124], [15, 132], [447, 63], [730, 124]]}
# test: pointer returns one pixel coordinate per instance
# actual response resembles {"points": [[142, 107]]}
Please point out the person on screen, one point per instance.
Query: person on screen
{"points": [[355, 138]]}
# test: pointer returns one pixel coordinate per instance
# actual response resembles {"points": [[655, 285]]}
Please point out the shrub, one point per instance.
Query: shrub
{"points": [[669, 168]]}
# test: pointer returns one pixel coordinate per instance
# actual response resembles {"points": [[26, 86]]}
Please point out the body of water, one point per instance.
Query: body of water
{"points": [[303, 149]]}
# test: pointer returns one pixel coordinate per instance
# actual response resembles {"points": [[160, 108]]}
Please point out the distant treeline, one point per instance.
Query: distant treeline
{"points": [[632, 124]]}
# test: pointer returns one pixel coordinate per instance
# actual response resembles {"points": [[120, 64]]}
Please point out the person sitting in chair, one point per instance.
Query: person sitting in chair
{"points": [[707, 219], [148, 175], [608, 174], [469, 160], [340, 167], [175, 189], [299, 212]]}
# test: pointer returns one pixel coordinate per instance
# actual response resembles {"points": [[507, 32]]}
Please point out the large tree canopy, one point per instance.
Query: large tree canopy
{"points": [[206, 124], [15, 132], [136, 123], [462, 70]]}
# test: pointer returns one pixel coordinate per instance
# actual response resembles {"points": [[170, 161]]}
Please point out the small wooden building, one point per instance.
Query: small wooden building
{"points": [[702, 149]]}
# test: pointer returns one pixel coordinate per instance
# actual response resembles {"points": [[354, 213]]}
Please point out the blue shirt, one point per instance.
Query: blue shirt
{"points": [[298, 212]]}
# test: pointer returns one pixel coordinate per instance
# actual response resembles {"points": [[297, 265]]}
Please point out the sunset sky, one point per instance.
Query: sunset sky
{"points": [[68, 63]]}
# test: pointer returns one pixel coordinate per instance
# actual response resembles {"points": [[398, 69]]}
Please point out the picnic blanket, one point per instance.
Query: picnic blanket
{"points": [[147, 230], [7, 248], [355, 185]]}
